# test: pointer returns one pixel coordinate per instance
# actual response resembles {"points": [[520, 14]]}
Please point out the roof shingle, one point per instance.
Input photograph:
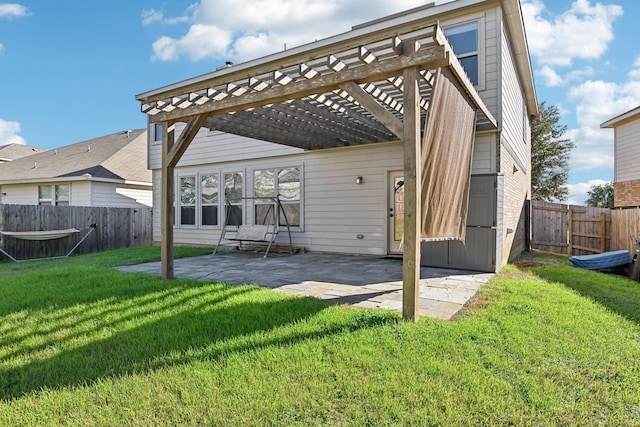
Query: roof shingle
{"points": [[121, 155]]}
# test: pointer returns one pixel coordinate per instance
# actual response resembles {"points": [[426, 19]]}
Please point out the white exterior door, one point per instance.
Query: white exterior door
{"points": [[395, 212]]}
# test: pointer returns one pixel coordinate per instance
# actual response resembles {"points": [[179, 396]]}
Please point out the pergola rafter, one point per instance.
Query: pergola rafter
{"points": [[370, 85]]}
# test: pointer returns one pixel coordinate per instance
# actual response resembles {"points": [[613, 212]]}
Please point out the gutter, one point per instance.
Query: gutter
{"points": [[75, 179]]}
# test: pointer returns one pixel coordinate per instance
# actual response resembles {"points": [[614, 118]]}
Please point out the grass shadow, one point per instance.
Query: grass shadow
{"points": [[103, 323], [615, 292]]}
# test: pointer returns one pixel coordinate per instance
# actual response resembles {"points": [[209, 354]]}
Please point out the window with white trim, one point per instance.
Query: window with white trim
{"points": [[187, 212], [157, 133], [463, 39], [282, 182], [55, 194], [233, 193], [201, 198], [209, 199]]}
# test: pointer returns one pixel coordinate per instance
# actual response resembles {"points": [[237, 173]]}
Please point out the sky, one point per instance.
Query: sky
{"points": [[70, 69]]}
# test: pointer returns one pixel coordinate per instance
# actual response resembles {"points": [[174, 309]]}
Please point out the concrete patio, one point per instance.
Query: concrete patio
{"points": [[360, 281]]}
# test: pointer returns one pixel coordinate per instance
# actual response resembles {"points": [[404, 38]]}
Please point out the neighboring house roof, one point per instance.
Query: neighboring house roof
{"points": [[120, 157], [11, 152], [623, 118]]}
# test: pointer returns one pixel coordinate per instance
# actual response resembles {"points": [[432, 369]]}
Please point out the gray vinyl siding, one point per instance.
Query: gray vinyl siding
{"points": [[27, 194], [515, 127], [335, 209], [120, 196], [20, 194], [490, 54], [219, 147], [627, 151], [83, 193], [484, 154], [80, 193]]}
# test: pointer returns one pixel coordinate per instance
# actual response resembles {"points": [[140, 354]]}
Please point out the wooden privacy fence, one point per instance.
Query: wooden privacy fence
{"points": [[582, 230], [115, 228]]}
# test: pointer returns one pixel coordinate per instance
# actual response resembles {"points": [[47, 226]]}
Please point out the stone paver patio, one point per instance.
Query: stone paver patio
{"points": [[361, 281]]}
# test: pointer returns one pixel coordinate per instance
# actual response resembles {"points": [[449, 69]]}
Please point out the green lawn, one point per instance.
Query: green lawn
{"points": [[83, 344]]}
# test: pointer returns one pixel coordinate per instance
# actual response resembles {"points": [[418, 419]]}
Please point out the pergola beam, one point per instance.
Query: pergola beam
{"points": [[382, 114], [427, 58], [175, 152]]}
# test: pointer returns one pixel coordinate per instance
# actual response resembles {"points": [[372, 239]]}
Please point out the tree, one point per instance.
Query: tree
{"points": [[549, 156], [601, 196]]}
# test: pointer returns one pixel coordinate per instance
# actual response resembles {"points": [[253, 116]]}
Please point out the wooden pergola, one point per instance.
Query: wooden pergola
{"points": [[372, 84]]}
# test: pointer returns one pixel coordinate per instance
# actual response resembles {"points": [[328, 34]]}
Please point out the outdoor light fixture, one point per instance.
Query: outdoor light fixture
{"points": [[359, 180]]}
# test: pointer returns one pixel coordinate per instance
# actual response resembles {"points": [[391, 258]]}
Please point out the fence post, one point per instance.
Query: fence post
{"points": [[603, 233], [569, 231]]}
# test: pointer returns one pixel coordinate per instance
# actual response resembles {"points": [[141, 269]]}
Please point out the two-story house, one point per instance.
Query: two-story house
{"points": [[408, 136]]}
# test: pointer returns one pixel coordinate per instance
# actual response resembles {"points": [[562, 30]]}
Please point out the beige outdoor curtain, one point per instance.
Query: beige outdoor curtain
{"points": [[447, 147]]}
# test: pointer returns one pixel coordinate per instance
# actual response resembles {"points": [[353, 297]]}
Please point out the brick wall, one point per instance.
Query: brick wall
{"points": [[626, 193], [517, 184]]}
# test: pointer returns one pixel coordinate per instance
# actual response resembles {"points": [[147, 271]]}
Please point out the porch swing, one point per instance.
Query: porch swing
{"points": [[264, 233]]}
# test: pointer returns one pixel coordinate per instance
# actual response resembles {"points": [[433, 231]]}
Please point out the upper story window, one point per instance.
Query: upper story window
{"points": [[463, 38], [54, 194], [157, 132]]}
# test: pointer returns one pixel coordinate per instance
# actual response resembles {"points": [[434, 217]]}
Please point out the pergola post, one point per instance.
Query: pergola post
{"points": [[172, 151], [412, 191], [166, 206]]}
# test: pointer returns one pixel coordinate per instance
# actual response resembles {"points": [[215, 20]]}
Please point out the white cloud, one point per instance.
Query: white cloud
{"points": [[634, 74], [550, 76], [597, 102], [553, 79], [578, 192], [255, 33], [9, 133], [582, 32], [13, 10], [200, 42], [151, 15]]}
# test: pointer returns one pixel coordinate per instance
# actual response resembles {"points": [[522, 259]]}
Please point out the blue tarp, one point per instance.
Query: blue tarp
{"points": [[602, 261]]}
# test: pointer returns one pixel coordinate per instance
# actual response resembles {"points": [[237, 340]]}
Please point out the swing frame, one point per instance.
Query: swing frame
{"points": [[257, 233]]}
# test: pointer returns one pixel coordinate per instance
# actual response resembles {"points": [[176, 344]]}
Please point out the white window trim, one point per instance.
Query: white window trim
{"points": [[482, 57], [153, 128], [300, 202], [223, 195], [54, 200], [199, 203], [178, 201], [248, 203]]}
